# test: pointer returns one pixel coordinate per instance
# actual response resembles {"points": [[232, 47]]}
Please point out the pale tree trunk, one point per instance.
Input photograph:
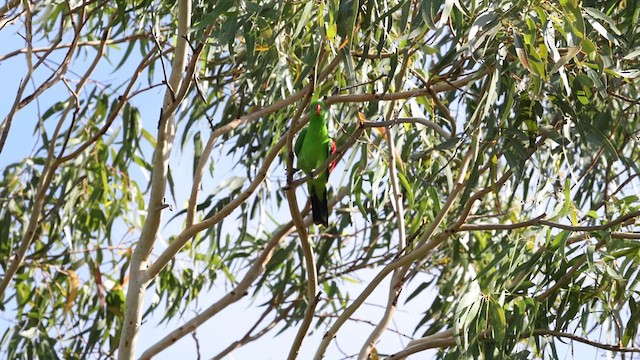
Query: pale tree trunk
{"points": [[138, 277]]}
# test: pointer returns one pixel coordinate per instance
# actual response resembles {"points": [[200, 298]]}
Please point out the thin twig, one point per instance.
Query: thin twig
{"points": [[125, 39], [164, 69], [247, 338], [195, 338]]}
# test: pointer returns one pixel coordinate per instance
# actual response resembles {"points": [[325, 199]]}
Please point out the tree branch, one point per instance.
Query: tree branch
{"points": [[541, 222], [307, 250], [10, 5], [452, 85], [413, 120], [396, 285], [616, 348], [6, 123], [166, 130], [446, 339], [197, 181]]}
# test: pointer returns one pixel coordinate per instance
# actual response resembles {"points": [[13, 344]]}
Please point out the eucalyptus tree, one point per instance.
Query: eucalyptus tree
{"points": [[487, 170]]}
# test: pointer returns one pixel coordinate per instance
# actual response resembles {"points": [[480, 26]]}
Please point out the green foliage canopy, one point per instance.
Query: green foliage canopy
{"points": [[490, 148]]}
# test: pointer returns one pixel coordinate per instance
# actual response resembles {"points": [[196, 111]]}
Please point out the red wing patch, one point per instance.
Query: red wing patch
{"points": [[331, 152]]}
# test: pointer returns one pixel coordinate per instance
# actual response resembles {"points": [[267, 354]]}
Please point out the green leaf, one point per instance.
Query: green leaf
{"points": [[331, 27], [446, 11], [590, 257], [23, 292], [597, 14], [197, 152], [631, 328], [632, 55], [171, 184], [345, 20], [484, 26], [614, 274], [601, 29], [595, 136], [574, 24], [588, 47], [498, 321], [57, 107], [417, 291], [520, 50], [231, 184], [221, 7], [435, 200], [407, 188], [429, 11], [571, 52], [304, 18]]}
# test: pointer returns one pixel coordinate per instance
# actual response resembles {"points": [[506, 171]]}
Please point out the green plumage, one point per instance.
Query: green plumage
{"points": [[313, 147]]}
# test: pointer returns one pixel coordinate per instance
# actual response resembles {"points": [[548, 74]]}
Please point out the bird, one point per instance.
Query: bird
{"points": [[313, 147]]}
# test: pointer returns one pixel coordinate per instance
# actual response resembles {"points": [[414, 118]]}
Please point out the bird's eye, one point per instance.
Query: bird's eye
{"points": [[318, 109]]}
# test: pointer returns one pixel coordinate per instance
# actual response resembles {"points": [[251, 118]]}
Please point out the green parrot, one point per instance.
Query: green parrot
{"points": [[313, 147]]}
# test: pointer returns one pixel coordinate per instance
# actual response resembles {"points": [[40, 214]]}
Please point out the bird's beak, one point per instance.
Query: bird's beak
{"points": [[318, 109]]}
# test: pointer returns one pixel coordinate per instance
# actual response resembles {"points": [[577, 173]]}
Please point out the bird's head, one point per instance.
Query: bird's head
{"points": [[317, 108]]}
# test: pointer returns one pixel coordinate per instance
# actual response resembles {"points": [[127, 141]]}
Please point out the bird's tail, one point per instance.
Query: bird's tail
{"points": [[320, 209]]}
